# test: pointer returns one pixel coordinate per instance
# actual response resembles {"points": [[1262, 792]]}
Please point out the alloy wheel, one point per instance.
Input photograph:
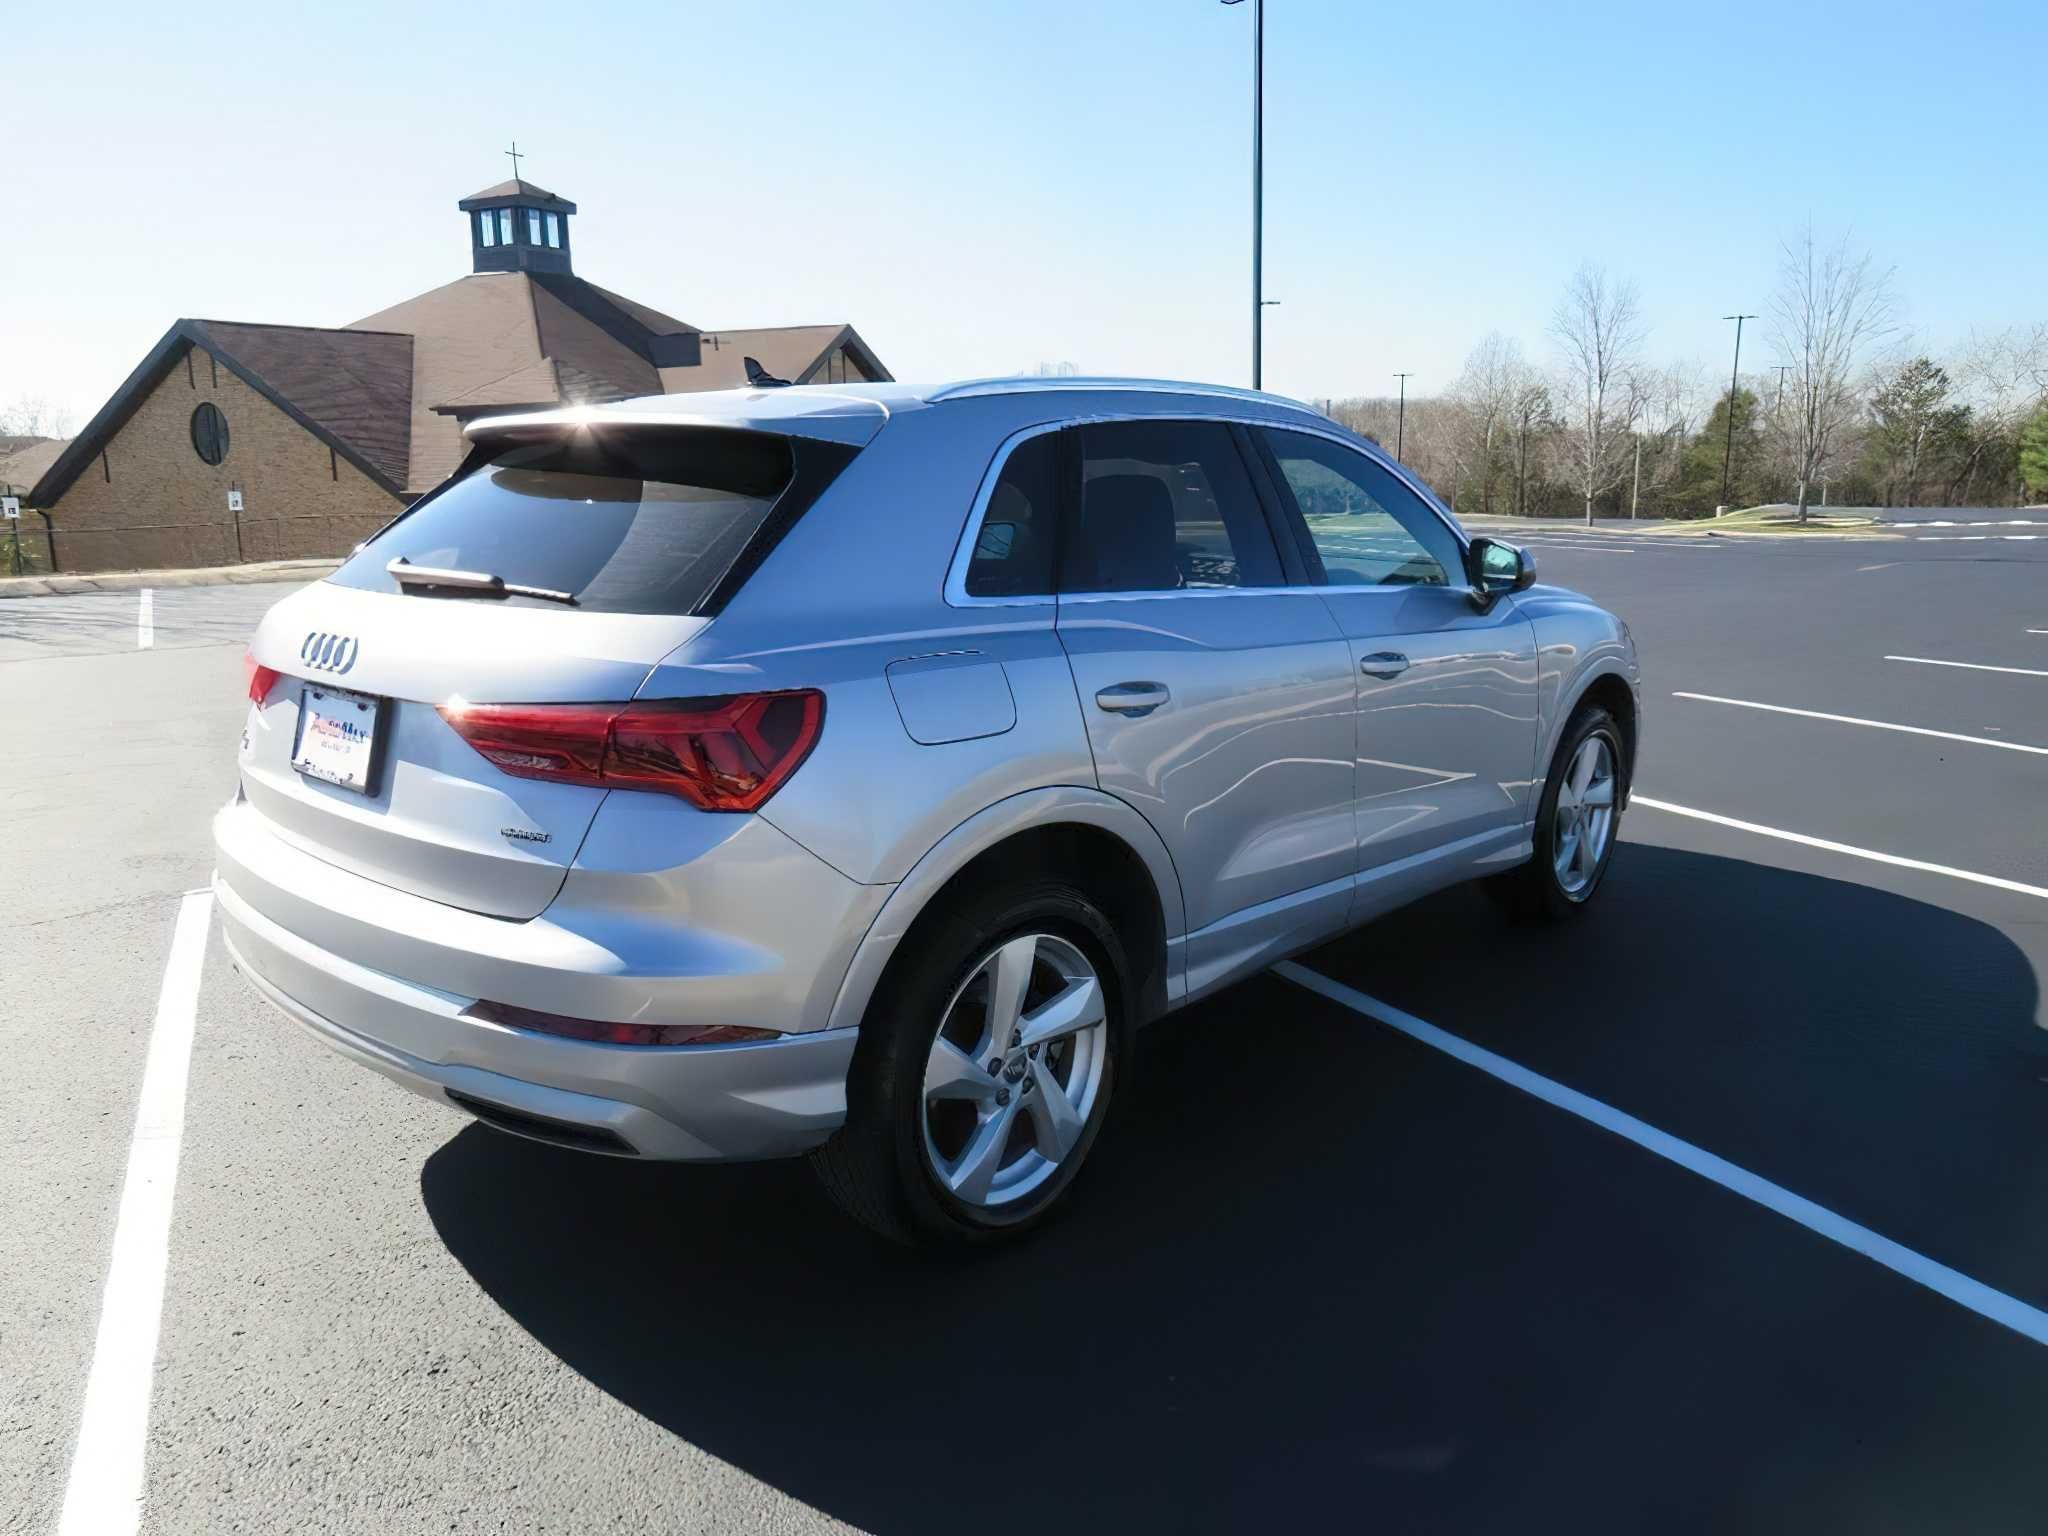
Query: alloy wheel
{"points": [[1585, 816], [1015, 1070]]}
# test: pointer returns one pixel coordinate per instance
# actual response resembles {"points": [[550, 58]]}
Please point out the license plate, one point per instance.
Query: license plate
{"points": [[340, 738]]}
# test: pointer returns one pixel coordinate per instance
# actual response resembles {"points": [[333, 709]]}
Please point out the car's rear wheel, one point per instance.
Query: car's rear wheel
{"points": [[984, 1070], [1577, 821]]}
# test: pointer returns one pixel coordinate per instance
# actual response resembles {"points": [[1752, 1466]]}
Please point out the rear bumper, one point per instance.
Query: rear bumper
{"points": [[692, 1103]]}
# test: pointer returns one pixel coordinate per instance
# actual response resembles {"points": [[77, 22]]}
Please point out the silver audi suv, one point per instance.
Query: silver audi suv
{"points": [[851, 771]]}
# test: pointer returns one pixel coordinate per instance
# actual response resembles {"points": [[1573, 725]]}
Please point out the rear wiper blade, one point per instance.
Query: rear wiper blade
{"points": [[482, 583]]}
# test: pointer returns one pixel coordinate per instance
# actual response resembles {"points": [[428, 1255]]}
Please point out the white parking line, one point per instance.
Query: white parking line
{"points": [[145, 620], [1882, 725], [1974, 666], [1852, 851], [2030, 1322], [104, 1495]]}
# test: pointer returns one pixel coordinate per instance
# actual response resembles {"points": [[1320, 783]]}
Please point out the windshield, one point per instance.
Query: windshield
{"points": [[644, 522]]}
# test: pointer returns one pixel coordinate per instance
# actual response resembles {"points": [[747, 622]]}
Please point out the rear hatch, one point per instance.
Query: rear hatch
{"points": [[638, 533]]}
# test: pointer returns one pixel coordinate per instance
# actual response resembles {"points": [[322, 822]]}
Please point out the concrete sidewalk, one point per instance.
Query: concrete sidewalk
{"points": [[191, 576]]}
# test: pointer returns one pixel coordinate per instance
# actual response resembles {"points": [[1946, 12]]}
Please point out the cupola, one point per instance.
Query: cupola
{"points": [[518, 227]]}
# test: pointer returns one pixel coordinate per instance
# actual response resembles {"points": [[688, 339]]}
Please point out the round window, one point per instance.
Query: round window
{"points": [[210, 433]]}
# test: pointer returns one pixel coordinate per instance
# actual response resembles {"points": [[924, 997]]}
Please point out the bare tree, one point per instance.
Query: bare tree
{"points": [[1486, 387], [34, 416], [1598, 331], [1830, 309], [2004, 377], [1530, 411]]}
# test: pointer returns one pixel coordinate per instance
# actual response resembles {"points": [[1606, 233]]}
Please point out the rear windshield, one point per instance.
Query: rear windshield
{"points": [[643, 522]]}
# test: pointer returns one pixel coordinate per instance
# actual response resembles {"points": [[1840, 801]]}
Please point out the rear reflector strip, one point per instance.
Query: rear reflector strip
{"points": [[601, 1032]]}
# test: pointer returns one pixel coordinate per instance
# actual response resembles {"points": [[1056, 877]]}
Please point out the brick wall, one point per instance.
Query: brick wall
{"points": [[157, 503]]}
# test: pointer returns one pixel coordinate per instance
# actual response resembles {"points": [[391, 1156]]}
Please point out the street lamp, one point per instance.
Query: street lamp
{"points": [[1735, 373], [1258, 182]]}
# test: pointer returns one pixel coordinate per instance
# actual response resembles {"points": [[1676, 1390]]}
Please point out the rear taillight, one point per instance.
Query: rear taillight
{"points": [[726, 754], [603, 1032], [258, 677]]}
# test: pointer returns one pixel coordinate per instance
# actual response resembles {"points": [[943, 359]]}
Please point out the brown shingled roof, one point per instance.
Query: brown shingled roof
{"points": [[351, 389], [26, 465], [473, 333], [355, 384]]}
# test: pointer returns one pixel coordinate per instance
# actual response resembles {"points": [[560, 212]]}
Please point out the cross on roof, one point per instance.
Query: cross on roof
{"points": [[516, 158]]}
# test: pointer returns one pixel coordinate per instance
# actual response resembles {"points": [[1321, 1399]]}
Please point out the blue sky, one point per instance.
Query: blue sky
{"points": [[983, 186]]}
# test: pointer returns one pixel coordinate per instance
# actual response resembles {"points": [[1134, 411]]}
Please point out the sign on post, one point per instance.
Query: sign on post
{"points": [[234, 501], [10, 507]]}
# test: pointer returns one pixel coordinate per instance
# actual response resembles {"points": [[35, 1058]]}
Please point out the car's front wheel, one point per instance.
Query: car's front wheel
{"points": [[1577, 821], [984, 1070]]}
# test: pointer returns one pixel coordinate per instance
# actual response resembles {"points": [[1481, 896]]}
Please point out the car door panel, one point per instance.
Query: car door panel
{"points": [[1447, 691], [1245, 768], [1219, 702]]}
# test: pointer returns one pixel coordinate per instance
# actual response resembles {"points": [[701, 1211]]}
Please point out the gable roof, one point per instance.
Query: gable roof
{"points": [[789, 352], [350, 388], [27, 464]]}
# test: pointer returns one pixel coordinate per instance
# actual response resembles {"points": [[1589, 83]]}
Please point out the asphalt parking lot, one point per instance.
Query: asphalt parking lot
{"points": [[1327, 1272]]}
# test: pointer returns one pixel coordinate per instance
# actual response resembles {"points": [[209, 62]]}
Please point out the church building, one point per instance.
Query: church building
{"points": [[235, 441]]}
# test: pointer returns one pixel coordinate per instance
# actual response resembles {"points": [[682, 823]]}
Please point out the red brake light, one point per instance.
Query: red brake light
{"points": [[259, 678], [726, 754]]}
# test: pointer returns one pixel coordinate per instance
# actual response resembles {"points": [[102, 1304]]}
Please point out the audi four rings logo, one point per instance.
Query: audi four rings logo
{"points": [[330, 653]]}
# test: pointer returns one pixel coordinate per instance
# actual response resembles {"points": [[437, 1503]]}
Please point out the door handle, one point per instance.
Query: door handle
{"points": [[1383, 664], [1132, 698]]}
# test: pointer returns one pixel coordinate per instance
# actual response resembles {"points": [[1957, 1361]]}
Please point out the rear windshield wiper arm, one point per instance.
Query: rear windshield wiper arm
{"points": [[483, 583]]}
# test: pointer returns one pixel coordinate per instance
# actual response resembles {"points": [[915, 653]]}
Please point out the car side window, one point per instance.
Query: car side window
{"points": [[1013, 548], [1368, 528], [1165, 506]]}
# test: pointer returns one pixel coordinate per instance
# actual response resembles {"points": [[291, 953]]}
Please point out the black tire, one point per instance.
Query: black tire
{"points": [[1532, 891], [876, 1167]]}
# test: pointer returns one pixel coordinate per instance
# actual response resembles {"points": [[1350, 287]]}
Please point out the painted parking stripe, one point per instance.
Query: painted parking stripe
{"points": [[1850, 849], [2009, 1311], [1974, 666], [145, 620], [104, 1494], [1881, 725]]}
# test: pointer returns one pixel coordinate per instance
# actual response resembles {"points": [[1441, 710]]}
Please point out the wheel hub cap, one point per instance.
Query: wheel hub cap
{"points": [[1585, 817], [1014, 1070]]}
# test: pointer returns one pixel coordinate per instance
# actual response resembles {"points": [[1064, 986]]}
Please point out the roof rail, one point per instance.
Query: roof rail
{"points": [[1045, 383]]}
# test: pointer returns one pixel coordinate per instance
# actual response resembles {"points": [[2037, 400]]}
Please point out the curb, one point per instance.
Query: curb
{"points": [[62, 585]]}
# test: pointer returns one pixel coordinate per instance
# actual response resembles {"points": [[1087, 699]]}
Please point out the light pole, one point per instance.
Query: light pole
{"points": [[1401, 418], [1258, 184], [1734, 374]]}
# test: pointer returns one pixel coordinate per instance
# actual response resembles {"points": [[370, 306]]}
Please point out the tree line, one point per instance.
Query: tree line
{"points": [[1848, 411]]}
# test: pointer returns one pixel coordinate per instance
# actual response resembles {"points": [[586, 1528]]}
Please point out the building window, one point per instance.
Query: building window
{"points": [[554, 232], [533, 226], [487, 227], [210, 433], [504, 226]]}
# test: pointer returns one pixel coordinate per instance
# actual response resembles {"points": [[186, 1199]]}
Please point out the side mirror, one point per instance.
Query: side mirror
{"points": [[1495, 567]]}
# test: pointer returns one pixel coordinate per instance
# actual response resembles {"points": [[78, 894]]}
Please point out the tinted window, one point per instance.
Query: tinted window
{"points": [[1166, 505], [210, 433], [1368, 528], [1013, 550], [634, 523]]}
